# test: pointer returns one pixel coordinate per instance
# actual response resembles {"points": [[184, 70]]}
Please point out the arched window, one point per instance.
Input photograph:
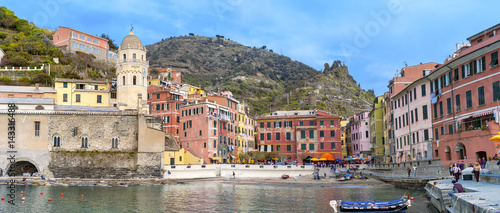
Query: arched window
{"points": [[57, 141], [142, 57], [134, 80], [85, 142], [114, 142], [123, 80], [124, 57], [134, 56]]}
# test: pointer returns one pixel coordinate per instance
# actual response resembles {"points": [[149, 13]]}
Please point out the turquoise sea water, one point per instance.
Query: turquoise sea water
{"points": [[200, 196]]}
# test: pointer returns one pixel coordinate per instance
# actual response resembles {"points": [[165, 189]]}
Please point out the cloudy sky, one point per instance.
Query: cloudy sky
{"points": [[374, 38]]}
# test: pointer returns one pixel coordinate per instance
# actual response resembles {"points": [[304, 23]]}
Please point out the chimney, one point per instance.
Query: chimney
{"points": [[36, 87]]}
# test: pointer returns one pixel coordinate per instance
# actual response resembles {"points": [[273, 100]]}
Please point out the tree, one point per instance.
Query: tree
{"points": [[43, 79], [111, 42], [154, 72], [191, 34]]}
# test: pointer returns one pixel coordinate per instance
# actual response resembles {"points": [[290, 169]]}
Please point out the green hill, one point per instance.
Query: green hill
{"points": [[265, 80]]}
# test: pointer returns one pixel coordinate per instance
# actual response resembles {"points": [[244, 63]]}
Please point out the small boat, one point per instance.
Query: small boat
{"points": [[285, 176], [399, 205]]}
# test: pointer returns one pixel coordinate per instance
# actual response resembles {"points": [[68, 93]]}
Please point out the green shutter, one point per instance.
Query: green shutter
{"points": [[470, 66], [496, 90], [463, 71], [475, 64]]}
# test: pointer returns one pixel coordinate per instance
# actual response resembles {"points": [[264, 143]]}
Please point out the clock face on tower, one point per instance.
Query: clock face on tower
{"points": [[144, 71]]}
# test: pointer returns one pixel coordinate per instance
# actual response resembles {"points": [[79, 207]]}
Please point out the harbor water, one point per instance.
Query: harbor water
{"points": [[201, 196]]}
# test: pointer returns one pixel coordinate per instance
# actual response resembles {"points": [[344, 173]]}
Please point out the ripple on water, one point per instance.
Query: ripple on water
{"points": [[200, 196]]}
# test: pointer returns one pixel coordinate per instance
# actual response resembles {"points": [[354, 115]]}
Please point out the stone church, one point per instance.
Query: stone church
{"points": [[92, 143]]}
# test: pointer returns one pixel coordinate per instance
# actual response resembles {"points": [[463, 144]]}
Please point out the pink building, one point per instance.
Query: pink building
{"points": [[406, 96], [360, 135], [164, 103], [72, 40], [209, 128], [465, 92], [413, 122]]}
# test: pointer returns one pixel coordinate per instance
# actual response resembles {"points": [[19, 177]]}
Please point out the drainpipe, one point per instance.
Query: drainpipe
{"points": [[452, 100], [409, 125], [430, 101]]}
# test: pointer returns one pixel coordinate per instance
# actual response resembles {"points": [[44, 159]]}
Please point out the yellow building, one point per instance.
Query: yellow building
{"points": [[82, 92], [181, 157], [343, 142], [193, 90], [155, 82], [377, 130]]}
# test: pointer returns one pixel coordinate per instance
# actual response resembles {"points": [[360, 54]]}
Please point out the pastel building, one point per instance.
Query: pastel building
{"points": [[82, 92], [343, 141], [398, 108], [167, 75], [413, 122], [27, 92], [164, 103], [377, 139], [465, 91], [360, 135], [71, 40], [300, 134]]}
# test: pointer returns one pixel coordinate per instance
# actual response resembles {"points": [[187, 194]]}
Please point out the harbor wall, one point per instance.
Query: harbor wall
{"points": [[240, 170]]}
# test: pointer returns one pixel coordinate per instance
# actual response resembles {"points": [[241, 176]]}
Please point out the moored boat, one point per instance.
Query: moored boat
{"points": [[399, 205], [285, 176]]}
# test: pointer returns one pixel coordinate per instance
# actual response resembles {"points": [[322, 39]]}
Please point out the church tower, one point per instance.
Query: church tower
{"points": [[131, 75]]}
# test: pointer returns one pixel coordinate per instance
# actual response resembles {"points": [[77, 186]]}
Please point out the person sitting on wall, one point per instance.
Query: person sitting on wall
{"points": [[457, 187]]}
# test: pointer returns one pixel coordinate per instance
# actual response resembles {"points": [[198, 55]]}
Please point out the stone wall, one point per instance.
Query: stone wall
{"points": [[425, 169], [96, 164], [99, 129]]}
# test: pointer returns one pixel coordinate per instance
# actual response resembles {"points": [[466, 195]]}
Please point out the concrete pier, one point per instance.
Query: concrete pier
{"points": [[482, 197]]}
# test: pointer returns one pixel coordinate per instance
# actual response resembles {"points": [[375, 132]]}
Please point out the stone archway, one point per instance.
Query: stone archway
{"points": [[460, 150], [21, 167], [447, 153]]}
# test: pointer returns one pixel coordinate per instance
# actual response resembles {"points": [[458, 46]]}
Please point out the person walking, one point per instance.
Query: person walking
{"points": [[409, 171], [415, 171], [456, 171], [234, 175], [483, 163], [451, 169], [477, 170]]}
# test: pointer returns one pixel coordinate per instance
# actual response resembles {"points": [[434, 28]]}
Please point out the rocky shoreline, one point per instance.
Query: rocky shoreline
{"points": [[74, 182]]}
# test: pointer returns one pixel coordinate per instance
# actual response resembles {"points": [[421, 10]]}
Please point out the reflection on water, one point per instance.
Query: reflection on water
{"points": [[201, 196]]}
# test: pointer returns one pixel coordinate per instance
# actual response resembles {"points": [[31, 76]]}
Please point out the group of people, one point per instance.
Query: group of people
{"points": [[408, 169], [457, 168]]}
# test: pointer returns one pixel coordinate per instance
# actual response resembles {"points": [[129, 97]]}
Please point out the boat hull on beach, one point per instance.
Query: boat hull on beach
{"points": [[399, 205]]}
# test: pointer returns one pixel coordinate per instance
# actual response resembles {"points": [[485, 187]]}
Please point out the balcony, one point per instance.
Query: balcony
{"points": [[146, 62]]}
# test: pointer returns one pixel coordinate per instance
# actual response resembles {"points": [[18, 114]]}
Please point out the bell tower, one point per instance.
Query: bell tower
{"points": [[131, 75]]}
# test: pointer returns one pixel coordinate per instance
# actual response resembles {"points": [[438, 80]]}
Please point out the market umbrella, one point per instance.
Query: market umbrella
{"points": [[322, 159], [348, 159], [495, 138], [357, 159], [314, 159], [327, 157], [338, 159], [274, 159], [365, 159]]}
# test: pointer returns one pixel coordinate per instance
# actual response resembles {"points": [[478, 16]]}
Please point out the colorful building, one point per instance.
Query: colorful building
{"points": [[165, 102], [464, 100], [27, 92], [167, 75], [405, 97], [209, 129], [71, 40], [82, 92], [360, 135], [343, 141], [300, 134], [377, 130]]}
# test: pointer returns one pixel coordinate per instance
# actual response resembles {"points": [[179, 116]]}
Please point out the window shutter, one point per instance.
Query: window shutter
{"points": [[470, 65], [483, 61], [475, 65], [463, 71]]}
